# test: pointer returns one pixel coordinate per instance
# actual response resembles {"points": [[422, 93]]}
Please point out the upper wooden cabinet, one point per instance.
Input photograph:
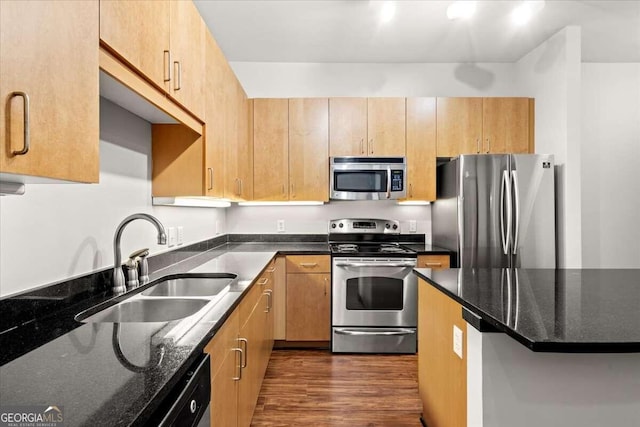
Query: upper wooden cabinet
{"points": [[484, 125], [271, 149], [386, 126], [215, 111], [347, 127], [164, 40], [49, 120], [367, 127], [309, 149], [421, 149]]}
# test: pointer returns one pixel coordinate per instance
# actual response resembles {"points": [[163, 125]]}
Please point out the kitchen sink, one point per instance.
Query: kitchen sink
{"points": [[147, 310], [191, 286]]}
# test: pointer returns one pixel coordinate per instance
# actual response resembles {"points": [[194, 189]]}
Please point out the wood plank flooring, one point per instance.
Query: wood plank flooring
{"points": [[317, 388]]}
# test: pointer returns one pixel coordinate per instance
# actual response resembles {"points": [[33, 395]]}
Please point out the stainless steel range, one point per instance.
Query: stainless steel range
{"points": [[375, 294]]}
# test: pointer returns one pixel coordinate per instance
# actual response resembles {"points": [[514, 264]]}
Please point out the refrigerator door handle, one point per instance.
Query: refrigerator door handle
{"points": [[516, 203], [505, 232]]}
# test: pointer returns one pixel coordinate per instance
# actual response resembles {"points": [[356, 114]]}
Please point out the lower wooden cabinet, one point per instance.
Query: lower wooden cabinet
{"points": [[435, 262], [308, 300], [240, 353]]}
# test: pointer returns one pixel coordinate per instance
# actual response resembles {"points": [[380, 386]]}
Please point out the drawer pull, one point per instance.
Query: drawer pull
{"points": [[263, 281], [433, 264], [245, 353], [308, 264], [271, 270], [239, 350]]}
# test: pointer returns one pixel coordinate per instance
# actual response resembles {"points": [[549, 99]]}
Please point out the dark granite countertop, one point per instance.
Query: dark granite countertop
{"points": [[568, 311], [427, 249], [118, 374]]}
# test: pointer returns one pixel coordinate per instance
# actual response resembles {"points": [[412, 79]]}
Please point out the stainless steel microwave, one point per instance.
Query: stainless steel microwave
{"points": [[367, 178]]}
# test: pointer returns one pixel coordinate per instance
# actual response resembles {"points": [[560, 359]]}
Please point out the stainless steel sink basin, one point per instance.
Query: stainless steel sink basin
{"points": [[191, 286], [148, 310]]}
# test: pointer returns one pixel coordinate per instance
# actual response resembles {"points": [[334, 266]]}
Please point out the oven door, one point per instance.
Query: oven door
{"points": [[374, 292]]}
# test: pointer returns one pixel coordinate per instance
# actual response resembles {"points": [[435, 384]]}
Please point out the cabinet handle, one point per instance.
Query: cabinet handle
{"points": [[433, 264], [371, 145], [240, 192], [268, 294], [488, 145], [478, 145], [178, 81], [26, 123], [271, 270], [238, 350], [293, 190], [263, 281], [245, 353], [238, 187], [325, 286], [308, 264], [210, 178], [362, 146], [167, 68], [410, 190], [283, 187]]}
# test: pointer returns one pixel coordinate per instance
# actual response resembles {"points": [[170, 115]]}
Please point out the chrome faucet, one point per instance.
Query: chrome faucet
{"points": [[118, 276]]}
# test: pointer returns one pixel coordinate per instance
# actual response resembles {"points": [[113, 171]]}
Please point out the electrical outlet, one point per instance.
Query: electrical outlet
{"points": [[180, 235], [281, 226], [217, 227], [171, 236], [413, 226], [457, 341]]}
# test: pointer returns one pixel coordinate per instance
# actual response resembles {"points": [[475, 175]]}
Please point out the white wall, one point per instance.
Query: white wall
{"points": [[58, 231], [551, 74], [610, 165], [290, 80], [314, 219]]}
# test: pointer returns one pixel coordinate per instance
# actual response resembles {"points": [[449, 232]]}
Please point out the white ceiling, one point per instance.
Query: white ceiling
{"points": [[351, 31]]}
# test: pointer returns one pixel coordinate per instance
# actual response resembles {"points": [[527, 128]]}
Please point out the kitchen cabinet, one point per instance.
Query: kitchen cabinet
{"points": [[215, 112], [484, 125], [308, 314], [421, 149], [309, 149], [49, 56], [239, 151], [270, 149], [240, 353], [442, 374], [367, 126], [167, 46], [436, 262], [279, 275]]}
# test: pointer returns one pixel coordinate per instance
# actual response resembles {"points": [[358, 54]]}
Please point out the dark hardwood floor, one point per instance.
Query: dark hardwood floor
{"points": [[317, 388]]}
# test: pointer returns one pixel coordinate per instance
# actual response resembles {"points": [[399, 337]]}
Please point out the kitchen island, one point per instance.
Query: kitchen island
{"points": [[529, 347]]}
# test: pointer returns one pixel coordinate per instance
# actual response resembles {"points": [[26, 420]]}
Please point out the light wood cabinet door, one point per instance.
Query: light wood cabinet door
{"points": [[138, 32], [436, 262], [442, 375], [215, 111], [224, 391], [50, 52], [347, 127], [459, 126], [308, 307], [279, 299], [506, 125], [309, 149], [386, 126], [244, 147], [271, 149], [421, 149], [187, 32]]}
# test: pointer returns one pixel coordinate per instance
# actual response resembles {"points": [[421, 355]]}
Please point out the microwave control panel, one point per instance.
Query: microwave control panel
{"points": [[397, 179]]}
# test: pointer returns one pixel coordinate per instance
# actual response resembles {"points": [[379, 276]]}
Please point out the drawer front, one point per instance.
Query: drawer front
{"points": [[434, 261], [308, 264]]}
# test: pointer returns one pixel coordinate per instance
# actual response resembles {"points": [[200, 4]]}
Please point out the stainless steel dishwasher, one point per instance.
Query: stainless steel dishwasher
{"points": [[188, 403]]}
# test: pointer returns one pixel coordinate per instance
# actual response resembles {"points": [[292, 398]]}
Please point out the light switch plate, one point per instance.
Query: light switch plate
{"points": [[171, 234], [413, 226], [457, 341], [281, 226], [180, 235]]}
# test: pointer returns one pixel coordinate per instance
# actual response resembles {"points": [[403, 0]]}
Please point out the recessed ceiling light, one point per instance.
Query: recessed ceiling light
{"points": [[463, 9], [388, 11], [524, 11]]}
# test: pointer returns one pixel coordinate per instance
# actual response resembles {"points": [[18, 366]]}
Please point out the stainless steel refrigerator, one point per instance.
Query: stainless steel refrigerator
{"points": [[497, 210]]}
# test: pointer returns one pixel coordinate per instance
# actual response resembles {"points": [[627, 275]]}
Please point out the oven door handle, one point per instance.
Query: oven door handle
{"points": [[368, 333], [366, 264]]}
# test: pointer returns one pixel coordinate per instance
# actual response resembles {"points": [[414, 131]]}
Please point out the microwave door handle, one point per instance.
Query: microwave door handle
{"points": [[388, 182]]}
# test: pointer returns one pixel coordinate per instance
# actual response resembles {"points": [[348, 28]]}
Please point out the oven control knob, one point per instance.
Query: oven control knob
{"points": [[341, 225], [395, 226], [333, 225], [387, 226]]}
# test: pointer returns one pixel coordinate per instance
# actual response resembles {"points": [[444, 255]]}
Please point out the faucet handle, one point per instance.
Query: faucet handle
{"points": [[131, 267], [140, 256]]}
